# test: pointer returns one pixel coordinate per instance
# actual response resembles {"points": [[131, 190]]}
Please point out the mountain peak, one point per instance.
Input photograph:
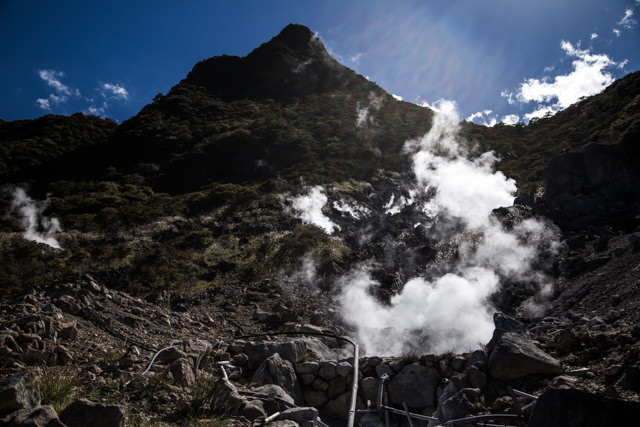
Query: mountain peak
{"points": [[292, 64], [294, 36]]}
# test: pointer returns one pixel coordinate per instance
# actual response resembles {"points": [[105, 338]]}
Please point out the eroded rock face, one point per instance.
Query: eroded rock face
{"points": [[514, 357], [577, 408]]}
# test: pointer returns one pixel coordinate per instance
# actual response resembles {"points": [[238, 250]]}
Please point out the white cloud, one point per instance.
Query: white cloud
{"points": [[589, 76], [594, 36], [540, 112], [485, 118], [115, 91], [397, 97], [52, 78], [510, 119], [616, 32], [622, 64], [44, 104], [98, 111], [355, 58], [627, 20], [62, 92], [509, 95]]}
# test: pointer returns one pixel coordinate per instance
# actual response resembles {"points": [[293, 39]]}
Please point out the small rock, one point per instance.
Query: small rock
{"points": [[337, 386], [302, 416], [320, 384], [327, 370], [369, 389], [253, 409], [316, 398], [64, 356], [182, 372], [307, 367]]}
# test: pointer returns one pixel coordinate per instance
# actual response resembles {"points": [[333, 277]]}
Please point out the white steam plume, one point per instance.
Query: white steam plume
{"points": [[450, 312], [37, 228], [309, 209]]}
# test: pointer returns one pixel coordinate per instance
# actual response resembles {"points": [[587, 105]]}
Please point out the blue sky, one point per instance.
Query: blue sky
{"points": [[499, 60]]}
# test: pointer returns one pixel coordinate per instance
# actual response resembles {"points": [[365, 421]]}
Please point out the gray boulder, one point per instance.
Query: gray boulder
{"points": [[274, 391], [226, 398], [460, 405], [292, 350], [40, 416], [276, 370], [515, 357], [303, 416], [414, 385], [577, 408], [22, 391], [84, 413], [182, 372]]}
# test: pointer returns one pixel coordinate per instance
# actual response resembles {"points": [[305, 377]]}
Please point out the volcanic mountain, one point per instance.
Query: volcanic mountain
{"points": [[266, 185]]}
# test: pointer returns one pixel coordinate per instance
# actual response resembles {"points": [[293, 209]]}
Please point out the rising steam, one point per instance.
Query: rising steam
{"points": [[37, 228], [308, 207], [449, 311]]}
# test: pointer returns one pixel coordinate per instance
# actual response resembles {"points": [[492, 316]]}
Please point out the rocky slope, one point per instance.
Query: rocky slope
{"points": [[165, 361]]}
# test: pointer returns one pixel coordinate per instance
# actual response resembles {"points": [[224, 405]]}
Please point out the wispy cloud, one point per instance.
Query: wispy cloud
{"points": [[115, 91], [61, 93], [594, 36], [43, 104], [588, 76], [627, 20], [485, 118], [355, 58], [64, 93], [53, 79], [489, 118]]}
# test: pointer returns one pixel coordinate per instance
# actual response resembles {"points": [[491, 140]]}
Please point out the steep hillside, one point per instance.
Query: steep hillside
{"points": [[203, 177]]}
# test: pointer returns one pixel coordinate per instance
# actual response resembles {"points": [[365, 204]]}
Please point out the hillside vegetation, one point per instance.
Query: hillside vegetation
{"points": [[192, 192]]}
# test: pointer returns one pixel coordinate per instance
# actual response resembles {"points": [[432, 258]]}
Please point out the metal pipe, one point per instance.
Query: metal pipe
{"points": [[354, 386], [153, 359], [271, 418], [224, 371], [381, 382], [408, 414], [483, 418], [400, 412], [523, 394]]}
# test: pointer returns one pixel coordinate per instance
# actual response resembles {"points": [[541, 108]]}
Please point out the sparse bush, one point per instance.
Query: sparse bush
{"points": [[58, 388]]}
